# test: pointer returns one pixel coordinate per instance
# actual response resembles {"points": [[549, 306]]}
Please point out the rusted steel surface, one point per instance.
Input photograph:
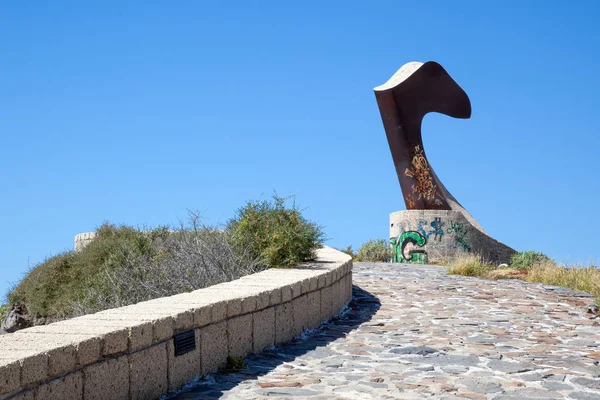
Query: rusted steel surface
{"points": [[415, 90]]}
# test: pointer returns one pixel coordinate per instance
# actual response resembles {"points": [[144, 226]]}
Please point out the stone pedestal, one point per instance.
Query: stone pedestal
{"points": [[439, 236]]}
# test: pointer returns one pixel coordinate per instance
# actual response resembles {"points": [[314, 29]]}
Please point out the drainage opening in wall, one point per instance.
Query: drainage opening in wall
{"points": [[184, 342]]}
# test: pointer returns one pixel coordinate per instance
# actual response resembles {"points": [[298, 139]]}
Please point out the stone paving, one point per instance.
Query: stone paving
{"points": [[414, 332]]}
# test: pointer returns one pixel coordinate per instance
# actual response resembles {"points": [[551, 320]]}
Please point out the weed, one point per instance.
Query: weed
{"points": [[469, 265], [277, 234], [527, 259], [374, 250], [349, 250]]}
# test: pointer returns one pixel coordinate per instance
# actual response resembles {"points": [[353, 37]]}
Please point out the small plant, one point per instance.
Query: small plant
{"points": [[375, 250], [469, 265], [349, 250], [234, 364], [3, 310], [277, 234], [528, 259]]}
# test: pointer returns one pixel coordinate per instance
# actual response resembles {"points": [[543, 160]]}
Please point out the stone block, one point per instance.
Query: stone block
{"points": [[286, 293], [263, 329], [239, 335], [202, 316], [27, 395], [275, 297], [322, 280], [87, 346], [183, 320], [10, 376], [107, 380], [335, 276], [263, 300], [338, 292], [344, 289], [301, 310], [34, 368], [328, 278], [326, 303], [62, 360], [115, 339], [139, 333], [249, 304], [313, 283], [214, 346], [185, 367], [349, 288], [234, 307], [218, 311], [314, 307], [284, 322], [62, 355], [148, 373], [67, 387], [162, 329], [305, 285], [163, 317], [296, 289]]}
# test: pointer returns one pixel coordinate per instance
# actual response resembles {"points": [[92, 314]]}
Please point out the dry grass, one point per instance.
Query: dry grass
{"points": [[545, 271], [470, 265], [575, 278]]}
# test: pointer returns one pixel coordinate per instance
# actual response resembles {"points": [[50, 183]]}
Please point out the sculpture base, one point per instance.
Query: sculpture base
{"points": [[440, 236]]}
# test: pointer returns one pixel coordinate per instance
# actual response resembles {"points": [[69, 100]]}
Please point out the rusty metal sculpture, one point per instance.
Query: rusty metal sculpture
{"points": [[413, 91]]}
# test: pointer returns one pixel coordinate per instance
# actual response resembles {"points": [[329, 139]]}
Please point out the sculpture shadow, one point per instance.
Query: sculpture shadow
{"points": [[360, 310]]}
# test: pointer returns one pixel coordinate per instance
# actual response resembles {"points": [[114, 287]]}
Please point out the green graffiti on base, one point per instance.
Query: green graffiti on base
{"points": [[461, 233], [399, 243], [418, 257]]}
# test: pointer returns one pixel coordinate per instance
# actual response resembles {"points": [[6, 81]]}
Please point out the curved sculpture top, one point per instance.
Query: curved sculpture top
{"points": [[413, 91]]}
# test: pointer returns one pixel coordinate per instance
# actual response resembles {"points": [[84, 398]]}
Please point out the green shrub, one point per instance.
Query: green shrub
{"points": [[234, 364], [124, 265], [3, 310], [527, 259], [49, 289], [277, 234], [349, 250], [375, 250]]}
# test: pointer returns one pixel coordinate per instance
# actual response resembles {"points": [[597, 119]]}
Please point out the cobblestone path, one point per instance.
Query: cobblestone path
{"points": [[413, 332]]}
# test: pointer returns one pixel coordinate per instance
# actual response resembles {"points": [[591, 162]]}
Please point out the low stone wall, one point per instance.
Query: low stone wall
{"points": [[144, 350], [422, 236]]}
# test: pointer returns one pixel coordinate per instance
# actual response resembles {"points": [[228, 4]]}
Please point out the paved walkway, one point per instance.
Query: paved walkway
{"points": [[413, 332]]}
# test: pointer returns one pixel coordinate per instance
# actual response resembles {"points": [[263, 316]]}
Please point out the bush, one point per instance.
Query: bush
{"points": [[375, 250], [124, 265], [191, 258], [278, 235], [528, 259], [349, 250], [3, 310], [50, 287]]}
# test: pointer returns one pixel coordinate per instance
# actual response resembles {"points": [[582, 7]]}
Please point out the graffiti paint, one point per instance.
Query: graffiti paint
{"points": [[424, 186], [437, 231], [418, 257], [458, 228], [399, 246], [464, 244]]}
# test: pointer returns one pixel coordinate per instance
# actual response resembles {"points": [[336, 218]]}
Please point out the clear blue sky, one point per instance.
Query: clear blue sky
{"points": [[133, 112]]}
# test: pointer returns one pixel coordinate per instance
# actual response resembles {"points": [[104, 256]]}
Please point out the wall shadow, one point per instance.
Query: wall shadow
{"points": [[360, 309]]}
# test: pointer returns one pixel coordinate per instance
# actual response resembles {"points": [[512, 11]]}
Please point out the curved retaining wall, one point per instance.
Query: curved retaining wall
{"points": [[130, 352], [422, 236]]}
